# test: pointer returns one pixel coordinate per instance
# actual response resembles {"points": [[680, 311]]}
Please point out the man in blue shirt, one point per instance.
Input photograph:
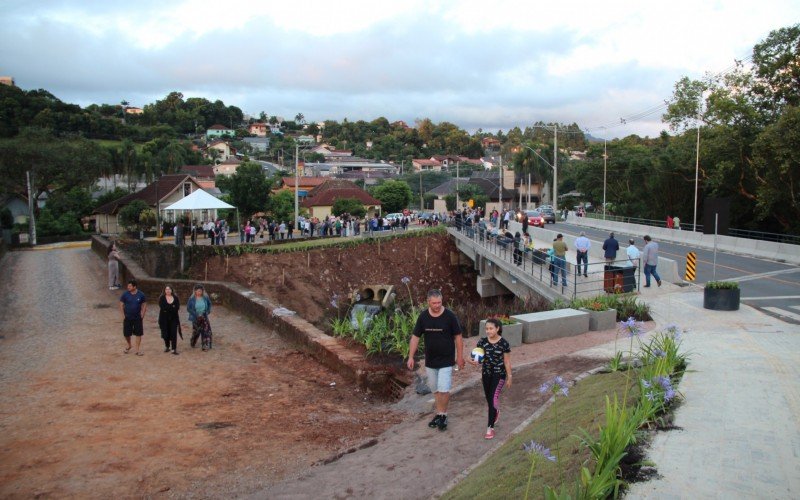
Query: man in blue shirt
{"points": [[133, 306], [582, 246], [610, 246]]}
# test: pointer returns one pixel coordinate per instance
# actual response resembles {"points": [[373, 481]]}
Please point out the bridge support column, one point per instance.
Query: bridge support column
{"points": [[490, 287]]}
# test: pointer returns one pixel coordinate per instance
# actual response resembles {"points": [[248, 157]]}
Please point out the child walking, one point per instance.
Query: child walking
{"points": [[496, 372]]}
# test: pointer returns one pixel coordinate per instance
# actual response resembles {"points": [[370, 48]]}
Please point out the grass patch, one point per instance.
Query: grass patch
{"points": [[505, 474]]}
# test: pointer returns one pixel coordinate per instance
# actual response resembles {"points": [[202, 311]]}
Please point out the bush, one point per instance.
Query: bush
{"points": [[129, 215], [722, 285]]}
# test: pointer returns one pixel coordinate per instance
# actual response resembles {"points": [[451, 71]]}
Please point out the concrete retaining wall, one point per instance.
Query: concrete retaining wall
{"points": [[556, 324]]}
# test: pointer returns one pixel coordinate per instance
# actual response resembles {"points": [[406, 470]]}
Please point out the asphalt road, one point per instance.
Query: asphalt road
{"points": [[770, 286]]}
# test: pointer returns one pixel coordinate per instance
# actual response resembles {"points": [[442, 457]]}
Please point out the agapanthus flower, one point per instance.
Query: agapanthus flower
{"points": [[659, 353], [669, 394], [630, 327], [675, 331], [646, 384], [539, 449], [335, 301], [650, 395], [405, 280], [555, 386], [664, 382]]}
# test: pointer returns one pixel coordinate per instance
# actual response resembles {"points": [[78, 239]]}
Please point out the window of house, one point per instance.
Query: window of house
{"points": [[187, 188]]}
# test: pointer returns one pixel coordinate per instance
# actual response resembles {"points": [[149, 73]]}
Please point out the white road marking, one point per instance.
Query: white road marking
{"points": [[783, 312], [774, 297]]}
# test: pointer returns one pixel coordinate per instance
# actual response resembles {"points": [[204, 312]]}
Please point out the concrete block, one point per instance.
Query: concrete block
{"points": [[548, 325], [512, 333], [601, 320]]}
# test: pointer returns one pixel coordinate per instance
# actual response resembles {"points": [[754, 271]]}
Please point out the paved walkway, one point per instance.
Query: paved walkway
{"points": [[740, 419]]}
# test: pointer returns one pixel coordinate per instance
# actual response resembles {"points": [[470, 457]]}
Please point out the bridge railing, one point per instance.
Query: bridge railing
{"points": [[600, 276]]}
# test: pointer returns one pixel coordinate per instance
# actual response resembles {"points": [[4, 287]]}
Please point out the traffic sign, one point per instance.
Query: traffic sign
{"points": [[691, 266]]}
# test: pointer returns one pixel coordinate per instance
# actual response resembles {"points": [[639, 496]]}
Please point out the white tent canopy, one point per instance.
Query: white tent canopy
{"points": [[199, 200]]}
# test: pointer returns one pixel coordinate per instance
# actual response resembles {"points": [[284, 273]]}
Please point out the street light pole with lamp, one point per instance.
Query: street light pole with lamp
{"points": [[554, 165]]}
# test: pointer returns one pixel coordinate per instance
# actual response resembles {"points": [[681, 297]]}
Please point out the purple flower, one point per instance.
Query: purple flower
{"points": [[406, 280], [630, 327], [659, 353], [555, 386], [539, 449], [646, 384], [669, 394], [650, 395], [335, 301], [675, 331], [664, 382]]}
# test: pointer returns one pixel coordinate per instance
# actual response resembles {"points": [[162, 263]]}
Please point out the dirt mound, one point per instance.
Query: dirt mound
{"points": [[306, 281]]}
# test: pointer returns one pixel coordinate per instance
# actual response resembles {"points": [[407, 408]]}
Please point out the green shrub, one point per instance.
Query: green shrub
{"points": [[722, 285]]}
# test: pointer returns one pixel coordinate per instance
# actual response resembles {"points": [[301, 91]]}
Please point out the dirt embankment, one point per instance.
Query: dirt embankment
{"points": [[305, 282]]}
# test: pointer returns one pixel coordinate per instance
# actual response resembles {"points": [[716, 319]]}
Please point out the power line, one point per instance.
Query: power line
{"points": [[659, 108]]}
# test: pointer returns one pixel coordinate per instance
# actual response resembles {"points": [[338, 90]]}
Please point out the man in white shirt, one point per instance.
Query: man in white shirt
{"points": [[633, 254], [582, 245]]}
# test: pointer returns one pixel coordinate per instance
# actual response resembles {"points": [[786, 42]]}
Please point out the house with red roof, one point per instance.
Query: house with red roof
{"points": [[157, 195], [319, 201]]}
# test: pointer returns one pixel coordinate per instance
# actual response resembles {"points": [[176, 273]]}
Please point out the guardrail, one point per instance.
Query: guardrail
{"points": [[600, 276], [736, 233]]}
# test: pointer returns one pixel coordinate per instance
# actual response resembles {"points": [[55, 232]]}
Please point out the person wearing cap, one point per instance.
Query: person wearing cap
{"points": [[559, 260], [582, 245], [199, 307]]}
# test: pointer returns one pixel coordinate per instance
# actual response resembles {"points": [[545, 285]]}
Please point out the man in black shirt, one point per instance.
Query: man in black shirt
{"points": [[444, 347]]}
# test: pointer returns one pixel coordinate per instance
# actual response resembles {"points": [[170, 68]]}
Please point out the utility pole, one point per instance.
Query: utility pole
{"points": [[31, 207], [296, 184], [458, 206], [555, 168], [421, 204], [605, 162]]}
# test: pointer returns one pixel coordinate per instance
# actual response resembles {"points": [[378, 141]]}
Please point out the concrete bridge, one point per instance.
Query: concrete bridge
{"points": [[493, 258]]}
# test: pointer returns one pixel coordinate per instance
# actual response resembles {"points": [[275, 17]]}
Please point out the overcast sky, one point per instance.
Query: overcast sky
{"points": [[479, 64]]}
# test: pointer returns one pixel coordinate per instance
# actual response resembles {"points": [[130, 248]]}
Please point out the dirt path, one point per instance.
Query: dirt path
{"points": [[251, 418], [78, 418]]}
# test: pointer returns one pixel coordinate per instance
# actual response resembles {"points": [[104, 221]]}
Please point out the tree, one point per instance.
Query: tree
{"points": [[130, 215], [394, 195], [249, 189], [348, 205], [299, 118], [281, 206]]}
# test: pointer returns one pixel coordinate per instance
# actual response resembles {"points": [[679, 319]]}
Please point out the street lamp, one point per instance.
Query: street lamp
{"points": [[605, 164], [696, 177], [297, 185]]}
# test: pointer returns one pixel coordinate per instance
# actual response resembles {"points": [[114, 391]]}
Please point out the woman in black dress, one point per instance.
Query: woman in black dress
{"points": [[169, 319]]}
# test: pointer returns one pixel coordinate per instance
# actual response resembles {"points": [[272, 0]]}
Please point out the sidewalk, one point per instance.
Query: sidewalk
{"points": [[739, 422]]}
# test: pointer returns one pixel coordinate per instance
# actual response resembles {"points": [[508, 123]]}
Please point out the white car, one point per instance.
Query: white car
{"points": [[394, 216]]}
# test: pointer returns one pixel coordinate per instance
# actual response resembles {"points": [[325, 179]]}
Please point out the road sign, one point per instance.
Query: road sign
{"points": [[691, 266]]}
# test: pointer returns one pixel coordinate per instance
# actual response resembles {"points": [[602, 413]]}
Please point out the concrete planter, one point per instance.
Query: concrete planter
{"points": [[721, 299], [601, 320], [512, 333]]}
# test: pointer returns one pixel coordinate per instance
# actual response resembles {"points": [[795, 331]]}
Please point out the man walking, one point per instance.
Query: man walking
{"points": [[133, 306], [650, 261], [610, 246], [582, 245], [444, 347], [559, 260]]}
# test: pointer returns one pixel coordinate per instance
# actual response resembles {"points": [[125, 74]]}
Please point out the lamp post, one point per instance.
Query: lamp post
{"points": [[696, 177], [605, 169]]}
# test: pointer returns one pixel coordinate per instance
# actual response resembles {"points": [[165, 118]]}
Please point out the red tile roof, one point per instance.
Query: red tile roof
{"points": [[331, 190], [304, 181], [164, 186], [199, 170]]}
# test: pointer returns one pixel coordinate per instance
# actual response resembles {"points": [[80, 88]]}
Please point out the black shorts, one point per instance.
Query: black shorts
{"points": [[132, 327]]}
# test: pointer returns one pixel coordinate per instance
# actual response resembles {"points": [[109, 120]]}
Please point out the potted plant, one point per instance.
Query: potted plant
{"points": [[512, 330], [721, 296], [601, 317]]}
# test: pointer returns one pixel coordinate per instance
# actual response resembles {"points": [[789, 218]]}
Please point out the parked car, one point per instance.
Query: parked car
{"points": [[548, 214], [394, 216], [535, 218]]}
